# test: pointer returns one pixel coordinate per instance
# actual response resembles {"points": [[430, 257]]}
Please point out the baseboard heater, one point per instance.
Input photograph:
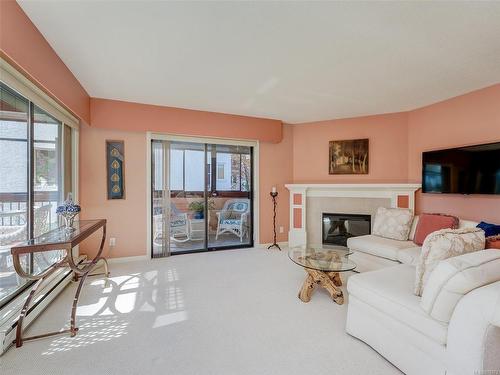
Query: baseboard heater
{"points": [[10, 313]]}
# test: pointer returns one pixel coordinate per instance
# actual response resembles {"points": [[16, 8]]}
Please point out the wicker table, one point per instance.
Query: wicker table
{"points": [[58, 239]]}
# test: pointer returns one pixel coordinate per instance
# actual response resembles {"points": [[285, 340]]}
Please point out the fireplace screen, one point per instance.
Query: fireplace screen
{"points": [[337, 228]]}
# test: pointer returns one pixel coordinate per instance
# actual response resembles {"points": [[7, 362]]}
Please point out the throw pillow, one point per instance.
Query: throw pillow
{"points": [[394, 223], [493, 242], [444, 244], [429, 223], [454, 277], [489, 229]]}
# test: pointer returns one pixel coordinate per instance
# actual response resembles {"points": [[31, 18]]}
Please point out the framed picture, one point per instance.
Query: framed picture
{"points": [[349, 157], [115, 159]]}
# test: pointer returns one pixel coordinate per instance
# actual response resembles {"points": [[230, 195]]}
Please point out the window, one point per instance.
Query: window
{"points": [[186, 162], [220, 171], [233, 169], [228, 168], [31, 182]]}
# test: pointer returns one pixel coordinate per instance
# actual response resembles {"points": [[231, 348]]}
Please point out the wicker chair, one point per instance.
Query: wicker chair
{"points": [[233, 218], [179, 228]]}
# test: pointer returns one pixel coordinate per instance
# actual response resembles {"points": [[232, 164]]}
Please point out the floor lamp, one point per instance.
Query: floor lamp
{"points": [[274, 195]]}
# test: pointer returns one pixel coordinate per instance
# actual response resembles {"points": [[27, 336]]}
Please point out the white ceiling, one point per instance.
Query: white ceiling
{"points": [[295, 62]]}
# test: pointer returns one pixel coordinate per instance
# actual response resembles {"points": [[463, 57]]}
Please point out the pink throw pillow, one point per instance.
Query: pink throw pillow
{"points": [[428, 223]]}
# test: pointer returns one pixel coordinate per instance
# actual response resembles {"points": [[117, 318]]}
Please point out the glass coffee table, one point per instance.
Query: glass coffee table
{"points": [[323, 265]]}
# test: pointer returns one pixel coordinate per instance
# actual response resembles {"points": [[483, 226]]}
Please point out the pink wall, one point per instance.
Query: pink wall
{"points": [[119, 115], [22, 45], [468, 119], [397, 142], [388, 139], [275, 169], [127, 217], [111, 119]]}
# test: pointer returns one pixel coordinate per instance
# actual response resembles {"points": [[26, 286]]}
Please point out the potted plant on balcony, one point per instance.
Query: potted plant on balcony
{"points": [[198, 208]]}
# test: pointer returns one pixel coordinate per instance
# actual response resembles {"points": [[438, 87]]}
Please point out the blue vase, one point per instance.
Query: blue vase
{"points": [[198, 215]]}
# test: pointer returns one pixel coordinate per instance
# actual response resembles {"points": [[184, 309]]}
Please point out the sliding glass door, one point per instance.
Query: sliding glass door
{"points": [[201, 197], [229, 188], [31, 183], [14, 184], [178, 197]]}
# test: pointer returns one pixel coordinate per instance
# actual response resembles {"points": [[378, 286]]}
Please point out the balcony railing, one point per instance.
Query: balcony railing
{"points": [[13, 206]]}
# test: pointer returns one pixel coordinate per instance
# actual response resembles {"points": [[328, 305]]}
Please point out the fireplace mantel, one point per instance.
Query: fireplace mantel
{"points": [[400, 195]]}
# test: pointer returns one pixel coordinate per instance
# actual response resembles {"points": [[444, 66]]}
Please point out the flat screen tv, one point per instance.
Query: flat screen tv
{"points": [[462, 170]]}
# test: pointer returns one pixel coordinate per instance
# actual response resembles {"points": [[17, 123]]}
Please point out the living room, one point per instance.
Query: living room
{"points": [[194, 155]]}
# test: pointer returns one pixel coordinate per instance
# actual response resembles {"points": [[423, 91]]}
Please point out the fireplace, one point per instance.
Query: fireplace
{"points": [[337, 228]]}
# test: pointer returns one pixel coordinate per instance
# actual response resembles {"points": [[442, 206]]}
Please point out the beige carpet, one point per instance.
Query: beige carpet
{"points": [[228, 312]]}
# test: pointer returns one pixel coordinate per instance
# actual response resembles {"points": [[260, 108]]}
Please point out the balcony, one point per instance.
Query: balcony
{"points": [[13, 229], [226, 227]]}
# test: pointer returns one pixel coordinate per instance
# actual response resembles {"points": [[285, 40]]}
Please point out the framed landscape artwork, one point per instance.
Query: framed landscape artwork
{"points": [[114, 169], [349, 157]]}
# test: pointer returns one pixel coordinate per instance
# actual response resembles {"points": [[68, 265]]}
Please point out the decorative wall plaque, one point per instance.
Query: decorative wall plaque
{"points": [[114, 169]]}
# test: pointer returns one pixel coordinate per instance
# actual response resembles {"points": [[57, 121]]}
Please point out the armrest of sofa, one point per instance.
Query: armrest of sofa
{"points": [[457, 276], [473, 344]]}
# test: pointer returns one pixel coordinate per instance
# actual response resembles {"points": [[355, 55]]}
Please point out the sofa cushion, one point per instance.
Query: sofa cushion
{"points": [[367, 262], [461, 224], [379, 246], [454, 277], [429, 223], [394, 223], [410, 255], [390, 291], [467, 224], [443, 244]]}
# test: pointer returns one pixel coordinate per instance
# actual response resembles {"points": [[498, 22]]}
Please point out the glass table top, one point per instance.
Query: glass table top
{"points": [[324, 258], [60, 235]]}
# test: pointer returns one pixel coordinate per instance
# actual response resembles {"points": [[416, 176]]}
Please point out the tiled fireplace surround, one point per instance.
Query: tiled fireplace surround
{"points": [[309, 201]]}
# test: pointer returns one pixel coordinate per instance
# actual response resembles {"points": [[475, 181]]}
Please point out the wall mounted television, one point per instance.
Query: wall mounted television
{"points": [[462, 170]]}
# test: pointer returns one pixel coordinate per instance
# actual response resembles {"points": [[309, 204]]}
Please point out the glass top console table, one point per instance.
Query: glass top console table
{"points": [[64, 240]]}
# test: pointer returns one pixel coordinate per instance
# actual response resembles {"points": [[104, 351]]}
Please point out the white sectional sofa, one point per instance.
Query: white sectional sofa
{"points": [[372, 252], [384, 312]]}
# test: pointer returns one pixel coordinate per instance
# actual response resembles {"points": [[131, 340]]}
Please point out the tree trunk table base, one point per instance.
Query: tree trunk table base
{"points": [[329, 280]]}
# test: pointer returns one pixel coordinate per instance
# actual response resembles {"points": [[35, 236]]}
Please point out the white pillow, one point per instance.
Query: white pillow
{"points": [[443, 244], [454, 277], [413, 229], [394, 223]]}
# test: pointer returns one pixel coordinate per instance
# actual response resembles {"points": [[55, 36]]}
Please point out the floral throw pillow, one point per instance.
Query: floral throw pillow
{"points": [[444, 244], [394, 223]]}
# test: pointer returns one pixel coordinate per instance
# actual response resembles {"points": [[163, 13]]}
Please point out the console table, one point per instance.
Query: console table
{"points": [[58, 239]]}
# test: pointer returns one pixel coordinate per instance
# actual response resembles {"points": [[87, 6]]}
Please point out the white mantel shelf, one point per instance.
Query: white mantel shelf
{"points": [[299, 193], [402, 187]]}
